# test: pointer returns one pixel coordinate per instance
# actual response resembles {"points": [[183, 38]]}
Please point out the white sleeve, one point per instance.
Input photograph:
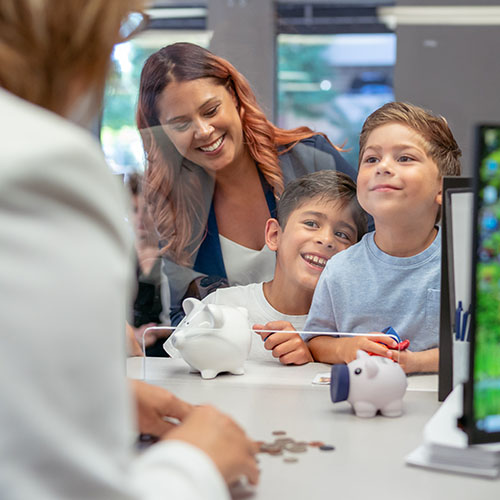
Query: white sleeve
{"points": [[176, 470], [65, 279]]}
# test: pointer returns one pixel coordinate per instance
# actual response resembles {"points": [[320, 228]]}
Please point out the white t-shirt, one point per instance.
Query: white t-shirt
{"points": [[259, 311], [245, 265]]}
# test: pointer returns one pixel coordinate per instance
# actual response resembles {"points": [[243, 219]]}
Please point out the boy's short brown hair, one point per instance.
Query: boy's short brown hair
{"points": [[328, 186], [439, 142]]}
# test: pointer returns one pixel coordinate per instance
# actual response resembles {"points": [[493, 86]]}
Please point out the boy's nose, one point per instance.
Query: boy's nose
{"points": [[384, 167], [327, 239]]}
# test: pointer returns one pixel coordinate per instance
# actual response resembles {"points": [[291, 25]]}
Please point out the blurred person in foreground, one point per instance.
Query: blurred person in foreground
{"points": [[65, 275]]}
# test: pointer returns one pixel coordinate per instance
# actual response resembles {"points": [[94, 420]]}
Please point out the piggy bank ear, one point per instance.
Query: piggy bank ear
{"points": [[215, 315], [190, 304], [371, 367]]}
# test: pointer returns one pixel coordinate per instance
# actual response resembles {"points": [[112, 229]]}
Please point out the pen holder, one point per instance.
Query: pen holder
{"points": [[460, 361]]}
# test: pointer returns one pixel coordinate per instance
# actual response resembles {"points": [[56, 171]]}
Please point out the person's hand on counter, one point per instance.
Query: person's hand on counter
{"points": [[153, 404], [222, 440]]}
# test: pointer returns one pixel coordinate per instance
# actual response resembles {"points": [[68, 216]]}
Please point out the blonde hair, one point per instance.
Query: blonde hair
{"points": [[53, 52], [173, 185], [438, 139]]}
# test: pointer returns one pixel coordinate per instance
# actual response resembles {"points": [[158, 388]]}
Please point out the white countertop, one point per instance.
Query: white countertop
{"points": [[369, 457]]}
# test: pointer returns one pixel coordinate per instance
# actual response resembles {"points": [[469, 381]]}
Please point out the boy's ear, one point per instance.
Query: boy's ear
{"points": [[439, 196], [272, 234]]}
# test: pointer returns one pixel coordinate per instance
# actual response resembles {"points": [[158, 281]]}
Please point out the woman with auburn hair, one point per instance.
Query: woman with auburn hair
{"points": [[67, 413], [215, 167]]}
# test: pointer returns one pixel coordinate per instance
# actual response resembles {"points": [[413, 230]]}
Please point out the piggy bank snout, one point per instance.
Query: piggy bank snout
{"points": [[339, 383], [178, 339]]}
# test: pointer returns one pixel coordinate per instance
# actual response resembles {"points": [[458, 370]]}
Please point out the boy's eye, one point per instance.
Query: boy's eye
{"points": [[405, 158], [342, 235], [370, 159], [311, 223]]}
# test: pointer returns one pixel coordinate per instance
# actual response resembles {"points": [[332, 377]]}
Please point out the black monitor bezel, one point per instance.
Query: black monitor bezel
{"points": [[445, 383]]}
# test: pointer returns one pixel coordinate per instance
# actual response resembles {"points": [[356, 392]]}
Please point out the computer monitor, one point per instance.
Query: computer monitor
{"points": [[481, 419], [456, 232]]}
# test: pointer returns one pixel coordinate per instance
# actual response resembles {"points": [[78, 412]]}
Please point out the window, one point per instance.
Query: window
{"points": [[335, 66], [120, 138]]}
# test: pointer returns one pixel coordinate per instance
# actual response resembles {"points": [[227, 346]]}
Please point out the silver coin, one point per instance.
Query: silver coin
{"points": [[296, 447]]}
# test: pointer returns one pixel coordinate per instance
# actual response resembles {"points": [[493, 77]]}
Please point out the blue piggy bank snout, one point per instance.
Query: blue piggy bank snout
{"points": [[339, 383]]}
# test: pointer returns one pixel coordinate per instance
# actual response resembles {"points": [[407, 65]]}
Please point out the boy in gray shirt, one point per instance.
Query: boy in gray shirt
{"points": [[392, 276]]}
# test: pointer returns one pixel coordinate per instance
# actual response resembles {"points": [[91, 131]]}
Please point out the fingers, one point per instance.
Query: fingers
{"points": [[251, 470], [156, 426], [223, 440], [376, 348], [289, 348], [280, 326], [149, 337], [262, 335], [278, 338], [273, 326], [157, 409], [385, 339], [173, 407], [298, 357]]}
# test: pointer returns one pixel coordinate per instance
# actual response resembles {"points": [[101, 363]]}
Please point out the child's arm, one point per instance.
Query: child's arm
{"points": [[285, 343], [418, 362], [343, 349]]}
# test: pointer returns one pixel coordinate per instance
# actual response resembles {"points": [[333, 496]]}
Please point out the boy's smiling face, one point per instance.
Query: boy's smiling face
{"points": [[315, 231], [397, 180]]}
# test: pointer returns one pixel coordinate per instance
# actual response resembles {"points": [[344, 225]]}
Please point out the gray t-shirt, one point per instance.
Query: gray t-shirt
{"points": [[363, 289]]}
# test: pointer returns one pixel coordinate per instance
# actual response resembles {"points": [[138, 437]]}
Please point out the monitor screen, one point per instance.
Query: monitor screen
{"points": [[482, 391]]}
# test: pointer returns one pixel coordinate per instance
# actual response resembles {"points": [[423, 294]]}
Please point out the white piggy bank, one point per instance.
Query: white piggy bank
{"points": [[212, 338], [369, 383]]}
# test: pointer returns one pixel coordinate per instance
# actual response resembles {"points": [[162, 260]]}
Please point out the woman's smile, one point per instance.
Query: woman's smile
{"points": [[214, 147]]}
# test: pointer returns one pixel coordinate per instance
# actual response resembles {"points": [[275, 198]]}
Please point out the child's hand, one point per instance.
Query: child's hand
{"points": [[349, 346], [285, 343], [415, 362]]}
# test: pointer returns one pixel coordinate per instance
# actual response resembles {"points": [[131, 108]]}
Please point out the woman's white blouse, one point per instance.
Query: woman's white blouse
{"points": [[245, 265]]}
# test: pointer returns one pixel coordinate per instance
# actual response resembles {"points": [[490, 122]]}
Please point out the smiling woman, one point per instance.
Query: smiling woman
{"points": [[215, 168]]}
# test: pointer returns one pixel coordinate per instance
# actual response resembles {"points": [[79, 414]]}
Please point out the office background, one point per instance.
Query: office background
{"points": [[329, 63]]}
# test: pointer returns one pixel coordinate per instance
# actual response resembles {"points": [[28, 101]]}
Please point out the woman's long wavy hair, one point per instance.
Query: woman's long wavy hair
{"points": [[173, 185]]}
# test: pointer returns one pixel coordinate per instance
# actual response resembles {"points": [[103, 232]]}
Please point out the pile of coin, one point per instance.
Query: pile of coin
{"points": [[283, 444]]}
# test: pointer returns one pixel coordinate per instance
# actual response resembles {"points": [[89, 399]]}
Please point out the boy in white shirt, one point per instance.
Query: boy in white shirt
{"points": [[317, 216], [392, 276]]}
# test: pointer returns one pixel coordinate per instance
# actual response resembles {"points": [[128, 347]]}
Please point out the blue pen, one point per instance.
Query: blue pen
{"points": [[467, 332], [464, 324], [458, 317]]}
